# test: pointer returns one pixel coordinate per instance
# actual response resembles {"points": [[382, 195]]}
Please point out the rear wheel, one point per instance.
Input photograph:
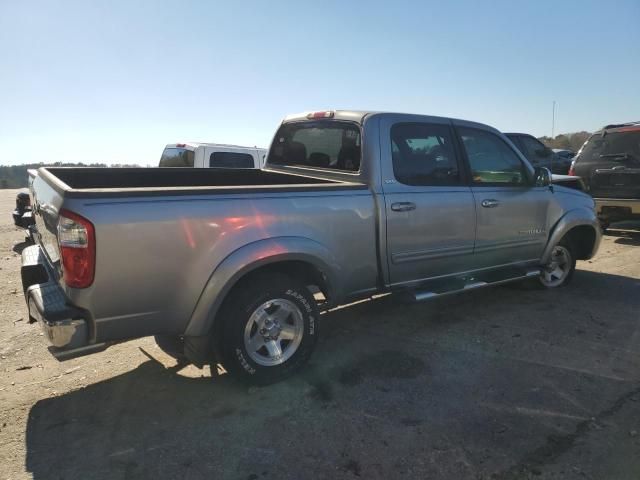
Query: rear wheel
{"points": [[560, 267], [269, 328]]}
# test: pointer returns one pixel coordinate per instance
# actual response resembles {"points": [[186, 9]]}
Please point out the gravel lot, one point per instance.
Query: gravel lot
{"points": [[505, 383]]}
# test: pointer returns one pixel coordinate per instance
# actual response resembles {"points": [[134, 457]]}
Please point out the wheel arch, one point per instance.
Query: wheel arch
{"points": [[582, 229], [299, 257]]}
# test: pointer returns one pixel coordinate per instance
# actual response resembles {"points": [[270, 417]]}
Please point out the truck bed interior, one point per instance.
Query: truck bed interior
{"points": [[123, 178]]}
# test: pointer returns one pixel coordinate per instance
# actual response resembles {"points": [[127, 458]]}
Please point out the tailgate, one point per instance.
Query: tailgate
{"points": [[618, 182], [47, 202]]}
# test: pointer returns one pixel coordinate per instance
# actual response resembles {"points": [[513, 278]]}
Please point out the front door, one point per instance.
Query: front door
{"points": [[430, 212], [511, 211]]}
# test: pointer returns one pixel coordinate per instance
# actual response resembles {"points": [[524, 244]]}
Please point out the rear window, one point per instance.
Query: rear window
{"points": [[613, 145], [176, 157], [323, 144], [230, 160]]}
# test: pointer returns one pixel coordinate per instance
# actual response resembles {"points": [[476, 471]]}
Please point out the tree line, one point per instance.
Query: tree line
{"points": [[15, 176], [566, 141]]}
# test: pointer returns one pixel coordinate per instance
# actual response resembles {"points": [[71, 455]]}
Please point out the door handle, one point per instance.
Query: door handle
{"points": [[403, 206], [490, 203]]}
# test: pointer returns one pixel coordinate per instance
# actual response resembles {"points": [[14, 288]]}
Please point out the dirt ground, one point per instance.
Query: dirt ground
{"points": [[503, 383]]}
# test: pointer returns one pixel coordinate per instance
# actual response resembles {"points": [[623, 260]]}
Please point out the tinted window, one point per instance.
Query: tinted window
{"points": [[491, 160], [534, 150], [323, 144], [176, 157], [230, 160], [515, 139], [612, 146], [423, 154]]}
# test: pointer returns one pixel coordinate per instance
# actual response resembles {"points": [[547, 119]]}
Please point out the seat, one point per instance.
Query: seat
{"points": [[296, 152], [318, 159], [349, 158]]}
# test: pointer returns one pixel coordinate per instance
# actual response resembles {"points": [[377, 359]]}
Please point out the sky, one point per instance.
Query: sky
{"points": [[115, 81]]}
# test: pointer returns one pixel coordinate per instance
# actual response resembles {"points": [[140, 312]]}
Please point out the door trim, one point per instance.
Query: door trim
{"points": [[432, 253], [508, 244], [520, 263]]}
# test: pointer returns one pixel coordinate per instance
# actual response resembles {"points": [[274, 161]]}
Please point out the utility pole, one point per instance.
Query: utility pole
{"points": [[553, 131], [553, 120]]}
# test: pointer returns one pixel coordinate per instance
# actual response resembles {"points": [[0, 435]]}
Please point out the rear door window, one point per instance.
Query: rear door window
{"points": [[491, 160], [423, 154], [617, 146], [230, 160], [176, 157]]}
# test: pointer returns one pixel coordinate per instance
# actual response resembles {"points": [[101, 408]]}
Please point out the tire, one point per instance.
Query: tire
{"points": [[562, 260], [172, 345], [269, 328]]}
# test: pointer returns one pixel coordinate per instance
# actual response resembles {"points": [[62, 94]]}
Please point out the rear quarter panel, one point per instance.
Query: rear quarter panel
{"points": [[155, 256]]}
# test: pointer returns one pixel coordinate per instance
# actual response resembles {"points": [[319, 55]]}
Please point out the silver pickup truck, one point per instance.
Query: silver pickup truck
{"points": [[234, 266]]}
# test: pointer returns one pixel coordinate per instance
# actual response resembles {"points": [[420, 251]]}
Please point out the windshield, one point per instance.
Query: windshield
{"points": [[611, 145], [322, 144]]}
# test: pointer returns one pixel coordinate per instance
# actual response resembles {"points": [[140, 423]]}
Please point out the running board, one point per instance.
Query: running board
{"points": [[439, 288]]}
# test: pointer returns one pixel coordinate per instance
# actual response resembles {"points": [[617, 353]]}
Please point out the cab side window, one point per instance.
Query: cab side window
{"points": [[491, 160], [423, 154], [230, 160]]}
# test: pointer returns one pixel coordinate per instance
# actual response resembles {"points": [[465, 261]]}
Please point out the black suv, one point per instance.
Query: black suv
{"points": [[609, 164], [538, 154]]}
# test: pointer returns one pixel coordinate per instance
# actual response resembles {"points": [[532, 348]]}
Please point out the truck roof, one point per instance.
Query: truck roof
{"points": [[358, 116], [207, 144]]}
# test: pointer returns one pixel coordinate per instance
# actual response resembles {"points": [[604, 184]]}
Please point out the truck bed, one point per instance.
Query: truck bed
{"points": [[88, 182]]}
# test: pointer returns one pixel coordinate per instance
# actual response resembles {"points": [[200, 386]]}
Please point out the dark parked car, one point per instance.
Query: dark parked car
{"points": [[22, 215], [538, 154], [564, 154], [609, 164]]}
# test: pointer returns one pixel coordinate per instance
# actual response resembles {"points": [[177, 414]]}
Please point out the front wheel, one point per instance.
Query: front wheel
{"points": [[560, 267], [269, 328]]}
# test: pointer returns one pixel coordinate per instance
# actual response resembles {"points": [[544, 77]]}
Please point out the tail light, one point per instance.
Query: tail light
{"points": [[327, 114], [77, 241], [571, 169]]}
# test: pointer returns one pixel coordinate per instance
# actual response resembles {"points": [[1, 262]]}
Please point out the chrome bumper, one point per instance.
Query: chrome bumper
{"points": [[65, 325], [632, 206]]}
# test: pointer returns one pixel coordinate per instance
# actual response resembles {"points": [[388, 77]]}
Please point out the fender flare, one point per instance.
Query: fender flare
{"points": [[249, 258], [573, 218]]}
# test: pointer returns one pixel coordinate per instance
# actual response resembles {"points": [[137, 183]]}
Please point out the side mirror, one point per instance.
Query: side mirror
{"points": [[542, 176]]}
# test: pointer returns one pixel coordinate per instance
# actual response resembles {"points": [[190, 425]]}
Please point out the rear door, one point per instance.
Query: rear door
{"points": [[511, 212], [610, 163], [430, 211]]}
